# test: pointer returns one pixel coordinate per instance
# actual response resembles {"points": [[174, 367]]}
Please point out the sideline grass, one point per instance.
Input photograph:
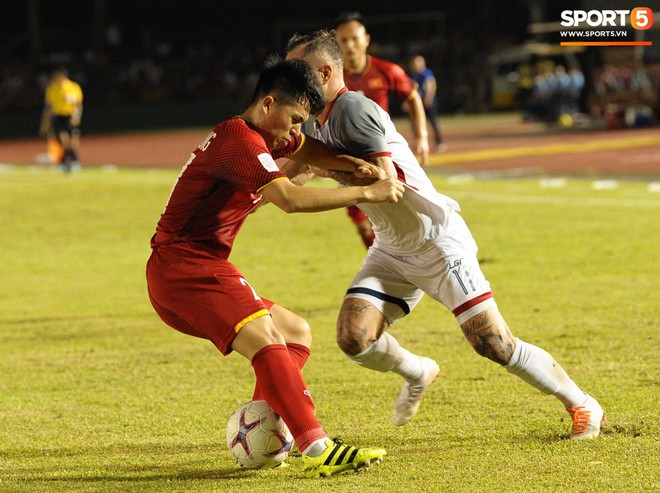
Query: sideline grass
{"points": [[96, 394]]}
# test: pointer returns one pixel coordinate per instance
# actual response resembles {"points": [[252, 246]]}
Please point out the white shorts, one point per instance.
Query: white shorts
{"points": [[448, 272]]}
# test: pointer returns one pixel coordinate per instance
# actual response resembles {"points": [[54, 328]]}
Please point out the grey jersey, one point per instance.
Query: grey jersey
{"points": [[358, 126]]}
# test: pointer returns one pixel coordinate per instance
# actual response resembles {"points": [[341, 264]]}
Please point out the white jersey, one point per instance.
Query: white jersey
{"points": [[359, 127]]}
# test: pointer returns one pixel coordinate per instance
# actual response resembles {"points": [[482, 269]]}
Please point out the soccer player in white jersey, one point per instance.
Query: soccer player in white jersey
{"points": [[422, 246]]}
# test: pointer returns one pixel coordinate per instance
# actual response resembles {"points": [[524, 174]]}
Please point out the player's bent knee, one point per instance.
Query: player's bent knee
{"points": [[359, 325], [294, 328], [299, 332], [255, 335]]}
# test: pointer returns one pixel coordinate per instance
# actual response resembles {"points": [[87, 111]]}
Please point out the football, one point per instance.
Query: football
{"points": [[257, 437]]}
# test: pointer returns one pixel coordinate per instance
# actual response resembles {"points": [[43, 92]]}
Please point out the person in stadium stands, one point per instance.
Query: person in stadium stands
{"points": [[194, 288], [422, 246], [377, 79], [427, 86], [63, 106]]}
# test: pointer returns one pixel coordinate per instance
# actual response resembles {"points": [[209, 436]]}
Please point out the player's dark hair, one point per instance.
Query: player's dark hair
{"points": [[321, 41], [290, 82], [346, 17]]}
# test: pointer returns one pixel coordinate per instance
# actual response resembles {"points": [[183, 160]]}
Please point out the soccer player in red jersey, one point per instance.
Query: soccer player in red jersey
{"points": [[196, 290], [377, 79]]}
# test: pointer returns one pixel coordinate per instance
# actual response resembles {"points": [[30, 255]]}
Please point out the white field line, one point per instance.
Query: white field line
{"points": [[570, 201]]}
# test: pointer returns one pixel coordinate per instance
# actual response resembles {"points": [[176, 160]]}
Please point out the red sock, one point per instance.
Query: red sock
{"points": [[299, 355], [284, 389]]}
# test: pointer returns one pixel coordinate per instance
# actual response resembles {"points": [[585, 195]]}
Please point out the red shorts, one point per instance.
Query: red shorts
{"points": [[201, 295]]}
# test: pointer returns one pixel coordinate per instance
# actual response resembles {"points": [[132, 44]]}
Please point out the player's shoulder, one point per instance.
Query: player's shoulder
{"points": [[236, 133], [351, 99], [385, 65], [237, 127], [354, 103], [234, 124], [71, 85]]}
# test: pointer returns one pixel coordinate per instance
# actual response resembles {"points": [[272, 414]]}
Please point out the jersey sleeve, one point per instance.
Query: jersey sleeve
{"points": [[244, 162], [293, 145], [360, 129]]}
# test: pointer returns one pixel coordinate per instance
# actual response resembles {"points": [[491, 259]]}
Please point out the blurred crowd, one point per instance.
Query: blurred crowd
{"points": [[621, 95], [156, 72], [151, 71], [626, 94], [143, 69], [549, 93]]}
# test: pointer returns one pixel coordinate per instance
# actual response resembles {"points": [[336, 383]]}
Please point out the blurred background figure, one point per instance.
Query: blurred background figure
{"points": [[525, 81], [427, 87], [568, 92], [541, 106], [63, 105], [577, 86]]}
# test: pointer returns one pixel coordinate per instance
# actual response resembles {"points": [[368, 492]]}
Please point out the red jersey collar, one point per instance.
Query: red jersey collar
{"points": [[323, 117]]}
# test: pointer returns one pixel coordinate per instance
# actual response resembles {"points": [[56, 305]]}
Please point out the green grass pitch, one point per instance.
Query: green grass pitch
{"points": [[98, 395]]}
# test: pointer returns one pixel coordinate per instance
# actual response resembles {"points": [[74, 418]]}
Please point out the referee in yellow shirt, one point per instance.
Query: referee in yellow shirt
{"points": [[63, 105]]}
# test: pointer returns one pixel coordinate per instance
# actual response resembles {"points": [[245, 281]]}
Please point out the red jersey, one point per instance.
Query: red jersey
{"points": [[378, 80], [219, 186]]}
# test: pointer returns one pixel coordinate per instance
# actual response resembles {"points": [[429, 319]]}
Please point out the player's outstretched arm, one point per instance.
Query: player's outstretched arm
{"points": [[298, 173], [293, 198], [383, 163], [313, 151], [418, 120]]}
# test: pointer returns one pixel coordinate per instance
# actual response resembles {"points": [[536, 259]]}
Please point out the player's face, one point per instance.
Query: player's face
{"points": [[283, 122], [418, 64], [353, 39]]}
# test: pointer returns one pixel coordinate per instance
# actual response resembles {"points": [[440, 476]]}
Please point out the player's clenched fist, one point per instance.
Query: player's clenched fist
{"points": [[389, 190], [369, 170]]}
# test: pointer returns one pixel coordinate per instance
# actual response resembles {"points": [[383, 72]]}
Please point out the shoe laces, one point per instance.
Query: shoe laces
{"points": [[581, 416], [337, 441]]}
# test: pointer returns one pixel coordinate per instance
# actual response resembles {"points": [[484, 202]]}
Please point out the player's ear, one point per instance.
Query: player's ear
{"points": [[267, 104], [326, 73]]}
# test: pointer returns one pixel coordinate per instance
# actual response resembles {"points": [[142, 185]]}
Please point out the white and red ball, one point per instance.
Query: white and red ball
{"points": [[257, 437]]}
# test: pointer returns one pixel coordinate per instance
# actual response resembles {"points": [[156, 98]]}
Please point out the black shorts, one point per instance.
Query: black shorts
{"points": [[63, 124]]}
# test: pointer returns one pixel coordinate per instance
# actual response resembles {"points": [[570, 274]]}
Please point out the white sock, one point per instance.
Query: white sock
{"points": [[387, 355], [536, 367], [316, 448]]}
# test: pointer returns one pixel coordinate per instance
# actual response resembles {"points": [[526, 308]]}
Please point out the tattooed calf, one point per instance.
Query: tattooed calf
{"points": [[488, 338]]}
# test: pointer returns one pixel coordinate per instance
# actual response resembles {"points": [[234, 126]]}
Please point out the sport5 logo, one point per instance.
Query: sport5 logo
{"points": [[641, 18]]}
